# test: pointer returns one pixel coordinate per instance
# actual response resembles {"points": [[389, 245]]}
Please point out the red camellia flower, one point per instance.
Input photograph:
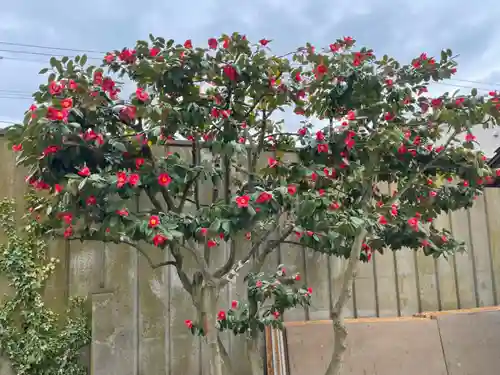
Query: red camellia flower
{"points": [[272, 162], [264, 197], [264, 42], [382, 220], [141, 94], [413, 222], [212, 43], [55, 88], [91, 201], [351, 116], [139, 162], [188, 323], [321, 69], [334, 206], [68, 232], [242, 201], [133, 179], [258, 284], [17, 147], [226, 43], [248, 236], [188, 44], [121, 179], [470, 137], [323, 147], [292, 189], [320, 136], [297, 77], [234, 304], [302, 131], [159, 239], [164, 179], [230, 72], [211, 243], [58, 188], [109, 58], [67, 103], [123, 212], [221, 315], [153, 52], [389, 116], [297, 277], [309, 290], [84, 172], [154, 220], [67, 217]]}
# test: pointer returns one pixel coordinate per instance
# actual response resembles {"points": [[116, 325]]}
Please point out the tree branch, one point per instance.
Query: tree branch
{"points": [[156, 203], [269, 249], [145, 255], [223, 271]]}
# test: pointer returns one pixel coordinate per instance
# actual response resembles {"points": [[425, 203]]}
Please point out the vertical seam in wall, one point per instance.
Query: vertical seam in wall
{"points": [[442, 347], [67, 265], [438, 285], [490, 250], [417, 281], [330, 290], [473, 256], [396, 282], [136, 304], [304, 267], [455, 268], [354, 303], [375, 284]]}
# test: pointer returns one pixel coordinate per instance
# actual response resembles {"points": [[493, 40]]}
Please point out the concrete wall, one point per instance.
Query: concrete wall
{"points": [[455, 343], [138, 315]]}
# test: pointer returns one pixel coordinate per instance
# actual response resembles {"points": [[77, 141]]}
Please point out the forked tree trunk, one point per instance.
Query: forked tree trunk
{"points": [[209, 307], [339, 329]]}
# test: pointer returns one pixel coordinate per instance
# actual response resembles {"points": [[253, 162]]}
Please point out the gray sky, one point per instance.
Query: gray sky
{"points": [[400, 28]]}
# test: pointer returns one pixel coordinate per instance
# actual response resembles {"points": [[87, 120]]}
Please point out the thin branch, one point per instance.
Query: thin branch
{"points": [[223, 271], [156, 203], [199, 259], [145, 255], [183, 277], [269, 249], [185, 193]]}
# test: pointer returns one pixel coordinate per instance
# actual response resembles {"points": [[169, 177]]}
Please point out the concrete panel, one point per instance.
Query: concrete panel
{"points": [[386, 347], [471, 342]]}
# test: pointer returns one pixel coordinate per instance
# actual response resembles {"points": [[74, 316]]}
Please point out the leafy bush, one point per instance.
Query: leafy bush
{"points": [[31, 334]]}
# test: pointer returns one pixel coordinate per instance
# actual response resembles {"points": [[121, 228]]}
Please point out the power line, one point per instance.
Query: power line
{"points": [[47, 47], [42, 54], [477, 82], [21, 59]]}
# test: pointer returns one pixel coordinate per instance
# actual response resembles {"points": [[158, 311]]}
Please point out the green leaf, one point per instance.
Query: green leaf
{"points": [[215, 226], [43, 71], [83, 60], [473, 92]]}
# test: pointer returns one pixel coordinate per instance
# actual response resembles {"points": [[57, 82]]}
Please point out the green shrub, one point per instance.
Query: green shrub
{"points": [[33, 338]]}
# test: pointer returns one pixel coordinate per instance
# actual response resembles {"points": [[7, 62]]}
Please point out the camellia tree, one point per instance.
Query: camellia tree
{"points": [[96, 154]]}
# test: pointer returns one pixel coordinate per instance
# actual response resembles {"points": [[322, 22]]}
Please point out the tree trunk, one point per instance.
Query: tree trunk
{"points": [[339, 330], [255, 356], [209, 306]]}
